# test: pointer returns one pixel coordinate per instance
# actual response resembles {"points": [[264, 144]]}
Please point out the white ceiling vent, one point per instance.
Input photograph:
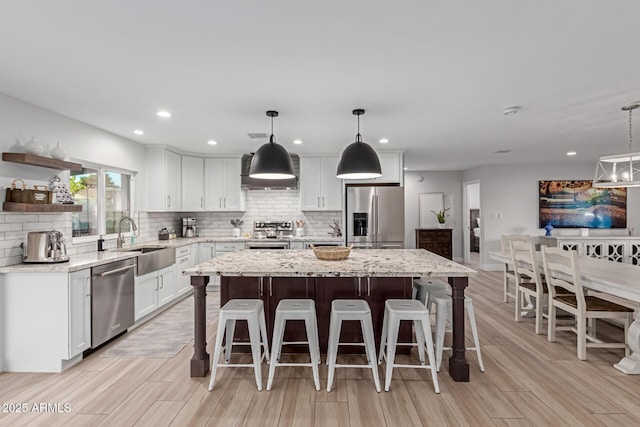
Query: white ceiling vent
{"points": [[258, 135]]}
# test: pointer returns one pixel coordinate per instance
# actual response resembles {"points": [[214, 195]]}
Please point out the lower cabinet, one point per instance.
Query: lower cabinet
{"points": [[79, 311], [154, 290], [186, 258], [206, 251], [436, 240]]}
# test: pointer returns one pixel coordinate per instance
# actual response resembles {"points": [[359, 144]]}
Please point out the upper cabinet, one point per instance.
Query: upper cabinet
{"points": [[163, 169], [192, 183], [222, 185], [320, 190], [392, 171]]}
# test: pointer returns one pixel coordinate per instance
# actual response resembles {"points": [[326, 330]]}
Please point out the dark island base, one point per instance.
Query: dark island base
{"points": [[323, 290]]}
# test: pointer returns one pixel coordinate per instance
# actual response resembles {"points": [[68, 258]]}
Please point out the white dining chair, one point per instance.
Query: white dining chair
{"points": [[508, 273], [563, 277], [528, 281]]}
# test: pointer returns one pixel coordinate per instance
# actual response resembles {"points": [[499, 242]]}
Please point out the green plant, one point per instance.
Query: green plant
{"points": [[442, 215]]}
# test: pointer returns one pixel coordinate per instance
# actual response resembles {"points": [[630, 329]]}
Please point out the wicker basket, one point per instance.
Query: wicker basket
{"points": [[331, 253]]}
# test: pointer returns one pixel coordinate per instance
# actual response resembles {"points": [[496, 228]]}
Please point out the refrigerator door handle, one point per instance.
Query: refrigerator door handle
{"points": [[377, 211]]}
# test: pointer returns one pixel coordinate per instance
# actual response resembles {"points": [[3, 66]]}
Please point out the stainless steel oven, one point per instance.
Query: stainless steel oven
{"points": [[267, 244]]}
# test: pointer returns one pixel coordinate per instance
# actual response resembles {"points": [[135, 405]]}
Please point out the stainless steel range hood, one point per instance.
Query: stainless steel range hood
{"points": [[248, 183]]}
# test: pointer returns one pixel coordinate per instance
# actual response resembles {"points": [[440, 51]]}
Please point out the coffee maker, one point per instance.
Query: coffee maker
{"points": [[189, 227]]}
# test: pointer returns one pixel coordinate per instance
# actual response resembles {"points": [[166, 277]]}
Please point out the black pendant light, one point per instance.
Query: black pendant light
{"points": [[272, 160], [359, 160]]}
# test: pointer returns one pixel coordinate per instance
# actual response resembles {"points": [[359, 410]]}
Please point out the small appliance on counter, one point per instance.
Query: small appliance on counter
{"points": [[189, 228], [163, 234], [45, 247]]}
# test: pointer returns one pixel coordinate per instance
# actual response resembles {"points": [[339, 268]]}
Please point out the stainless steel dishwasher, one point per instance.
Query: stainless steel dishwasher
{"points": [[112, 302]]}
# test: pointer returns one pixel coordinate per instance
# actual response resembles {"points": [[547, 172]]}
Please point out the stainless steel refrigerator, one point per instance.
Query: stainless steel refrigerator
{"points": [[375, 217]]}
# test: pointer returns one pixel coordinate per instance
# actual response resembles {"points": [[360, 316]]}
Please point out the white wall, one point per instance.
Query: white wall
{"points": [[509, 201], [449, 183], [83, 143]]}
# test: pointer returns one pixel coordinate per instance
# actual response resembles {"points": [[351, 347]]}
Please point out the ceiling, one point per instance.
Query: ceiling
{"points": [[433, 76]]}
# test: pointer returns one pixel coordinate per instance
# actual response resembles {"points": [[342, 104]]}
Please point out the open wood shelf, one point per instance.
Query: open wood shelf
{"points": [[47, 162], [32, 207]]}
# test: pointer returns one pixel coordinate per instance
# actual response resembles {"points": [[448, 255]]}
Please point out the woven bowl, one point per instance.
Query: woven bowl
{"points": [[331, 253]]}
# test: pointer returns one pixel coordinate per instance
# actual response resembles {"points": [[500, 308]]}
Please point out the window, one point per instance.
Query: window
{"points": [[105, 197]]}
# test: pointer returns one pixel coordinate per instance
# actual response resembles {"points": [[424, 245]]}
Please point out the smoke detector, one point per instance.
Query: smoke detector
{"points": [[510, 111]]}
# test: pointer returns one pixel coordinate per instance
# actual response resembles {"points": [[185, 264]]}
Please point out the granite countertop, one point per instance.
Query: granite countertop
{"points": [[360, 263], [76, 262]]}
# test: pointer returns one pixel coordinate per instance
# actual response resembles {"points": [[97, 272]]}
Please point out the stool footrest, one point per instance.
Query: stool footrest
{"points": [[294, 342], [356, 344], [337, 365], [295, 364], [396, 365], [235, 365]]}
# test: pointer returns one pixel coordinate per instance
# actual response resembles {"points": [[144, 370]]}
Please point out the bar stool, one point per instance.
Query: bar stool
{"points": [[442, 300], [295, 309], [351, 309], [422, 287], [251, 310], [396, 310]]}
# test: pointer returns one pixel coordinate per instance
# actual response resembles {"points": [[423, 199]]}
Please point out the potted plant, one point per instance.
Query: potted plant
{"points": [[442, 216]]}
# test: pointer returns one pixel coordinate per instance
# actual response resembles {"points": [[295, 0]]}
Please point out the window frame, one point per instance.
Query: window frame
{"points": [[101, 202]]}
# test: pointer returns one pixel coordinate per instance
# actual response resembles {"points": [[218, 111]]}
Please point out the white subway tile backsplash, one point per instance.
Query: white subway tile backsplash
{"points": [[261, 205]]}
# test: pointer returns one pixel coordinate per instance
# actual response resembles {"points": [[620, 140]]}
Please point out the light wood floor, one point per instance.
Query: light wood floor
{"points": [[528, 382]]}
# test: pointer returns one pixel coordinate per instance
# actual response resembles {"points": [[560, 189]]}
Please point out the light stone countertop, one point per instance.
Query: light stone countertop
{"points": [[92, 259], [303, 263], [77, 262]]}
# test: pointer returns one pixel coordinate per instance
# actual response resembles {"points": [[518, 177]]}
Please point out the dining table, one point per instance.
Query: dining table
{"points": [[609, 277]]}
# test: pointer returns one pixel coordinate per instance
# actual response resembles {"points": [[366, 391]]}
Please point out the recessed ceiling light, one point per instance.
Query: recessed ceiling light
{"points": [[571, 153], [297, 141], [406, 169], [383, 141], [138, 132], [510, 111], [212, 142], [164, 114]]}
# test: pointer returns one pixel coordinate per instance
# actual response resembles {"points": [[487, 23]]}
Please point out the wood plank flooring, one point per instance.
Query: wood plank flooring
{"points": [[528, 382]]}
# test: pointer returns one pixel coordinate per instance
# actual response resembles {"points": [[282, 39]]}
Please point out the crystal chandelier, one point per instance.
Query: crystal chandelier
{"points": [[619, 170]]}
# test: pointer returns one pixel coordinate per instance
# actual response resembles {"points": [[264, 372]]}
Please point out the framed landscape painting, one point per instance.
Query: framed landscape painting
{"points": [[576, 204]]}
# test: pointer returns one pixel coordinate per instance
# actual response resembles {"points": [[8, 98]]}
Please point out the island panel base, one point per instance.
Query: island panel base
{"points": [[322, 290]]}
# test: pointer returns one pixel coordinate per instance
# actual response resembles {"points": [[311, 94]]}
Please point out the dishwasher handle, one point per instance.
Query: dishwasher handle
{"points": [[117, 270]]}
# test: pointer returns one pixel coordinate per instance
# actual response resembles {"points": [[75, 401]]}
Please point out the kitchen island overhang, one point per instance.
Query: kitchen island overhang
{"points": [[373, 275]]}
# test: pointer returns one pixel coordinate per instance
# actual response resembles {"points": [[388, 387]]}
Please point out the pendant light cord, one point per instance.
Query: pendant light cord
{"points": [[630, 133]]}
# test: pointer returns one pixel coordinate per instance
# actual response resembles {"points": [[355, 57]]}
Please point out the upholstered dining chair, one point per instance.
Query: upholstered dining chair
{"points": [[508, 271], [562, 274], [528, 280]]}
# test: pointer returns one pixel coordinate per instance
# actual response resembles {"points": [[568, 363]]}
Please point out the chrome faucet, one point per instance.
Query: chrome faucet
{"points": [[120, 240]]}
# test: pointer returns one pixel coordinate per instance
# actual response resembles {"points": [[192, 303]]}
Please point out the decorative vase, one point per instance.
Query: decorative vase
{"points": [[235, 232], [441, 225], [548, 227], [34, 147], [58, 152], [17, 147]]}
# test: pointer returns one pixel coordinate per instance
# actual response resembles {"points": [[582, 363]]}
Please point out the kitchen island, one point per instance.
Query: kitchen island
{"points": [[374, 275]]}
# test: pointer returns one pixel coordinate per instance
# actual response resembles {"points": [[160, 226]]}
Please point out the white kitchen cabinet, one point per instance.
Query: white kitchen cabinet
{"points": [[79, 311], [154, 290], [186, 257], [163, 171], [392, 170], [47, 320], [146, 299], [206, 251], [320, 190], [222, 190], [192, 183]]}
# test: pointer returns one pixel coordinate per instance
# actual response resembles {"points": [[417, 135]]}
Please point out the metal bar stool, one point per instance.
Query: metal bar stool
{"points": [[351, 309], [295, 309], [251, 310], [396, 310]]}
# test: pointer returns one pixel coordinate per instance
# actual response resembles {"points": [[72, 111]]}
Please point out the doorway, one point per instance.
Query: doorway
{"points": [[472, 220]]}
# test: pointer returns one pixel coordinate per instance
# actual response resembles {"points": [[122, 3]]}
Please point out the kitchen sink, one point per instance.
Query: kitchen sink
{"points": [[153, 258]]}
